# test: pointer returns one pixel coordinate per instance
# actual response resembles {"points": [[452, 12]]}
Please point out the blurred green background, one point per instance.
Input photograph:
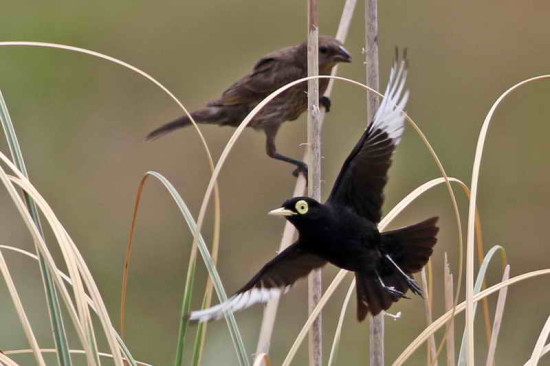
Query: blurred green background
{"points": [[82, 122]]}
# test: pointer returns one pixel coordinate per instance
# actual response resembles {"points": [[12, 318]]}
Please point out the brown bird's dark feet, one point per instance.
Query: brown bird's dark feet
{"points": [[325, 102], [302, 168]]}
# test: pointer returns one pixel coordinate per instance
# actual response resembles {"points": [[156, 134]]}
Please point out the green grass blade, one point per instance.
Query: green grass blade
{"points": [[58, 327], [212, 271], [477, 288]]}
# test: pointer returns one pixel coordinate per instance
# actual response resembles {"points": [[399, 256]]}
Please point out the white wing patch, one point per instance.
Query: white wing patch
{"points": [[238, 302], [390, 117]]}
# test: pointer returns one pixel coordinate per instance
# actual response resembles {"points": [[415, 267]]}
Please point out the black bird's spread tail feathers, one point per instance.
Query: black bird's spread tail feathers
{"points": [[407, 250], [410, 247], [207, 115]]}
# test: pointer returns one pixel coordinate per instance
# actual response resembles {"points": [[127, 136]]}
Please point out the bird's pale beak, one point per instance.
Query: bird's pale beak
{"points": [[281, 212], [343, 55]]}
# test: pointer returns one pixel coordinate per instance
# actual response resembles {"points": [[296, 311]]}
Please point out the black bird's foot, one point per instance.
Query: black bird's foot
{"points": [[414, 286], [410, 281], [325, 102], [392, 291]]}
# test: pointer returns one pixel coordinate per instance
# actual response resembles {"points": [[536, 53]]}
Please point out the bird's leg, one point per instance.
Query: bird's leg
{"points": [[410, 281], [325, 102], [390, 289], [271, 150]]}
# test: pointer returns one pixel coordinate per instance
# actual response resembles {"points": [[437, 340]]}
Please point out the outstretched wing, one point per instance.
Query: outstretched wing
{"points": [[361, 181], [274, 279]]}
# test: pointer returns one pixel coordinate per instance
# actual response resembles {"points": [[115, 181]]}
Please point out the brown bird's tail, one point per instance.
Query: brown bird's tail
{"points": [[406, 251], [207, 115]]}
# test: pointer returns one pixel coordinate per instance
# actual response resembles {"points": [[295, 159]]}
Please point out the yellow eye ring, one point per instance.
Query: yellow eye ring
{"points": [[301, 207]]}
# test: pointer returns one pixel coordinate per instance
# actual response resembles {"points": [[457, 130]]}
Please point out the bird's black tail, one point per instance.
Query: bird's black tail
{"points": [[406, 250], [411, 247], [206, 115]]}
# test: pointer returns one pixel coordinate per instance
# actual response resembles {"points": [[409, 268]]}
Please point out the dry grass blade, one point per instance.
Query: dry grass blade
{"points": [[338, 332], [52, 298], [538, 351], [499, 313], [472, 216], [90, 302], [118, 62], [73, 351], [6, 360], [262, 359], [449, 304], [70, 249], [148, 77], [477, 288], [41, 245], [78, 273], [432, 351], [442, 320], [324, 299], [21, 311]]}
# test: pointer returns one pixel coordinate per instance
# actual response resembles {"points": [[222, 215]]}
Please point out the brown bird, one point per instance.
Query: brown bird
{"points": [[269, 74]]}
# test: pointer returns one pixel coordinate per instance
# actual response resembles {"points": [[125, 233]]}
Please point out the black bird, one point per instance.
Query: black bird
{"points": [[269, 74], [343, 231]]}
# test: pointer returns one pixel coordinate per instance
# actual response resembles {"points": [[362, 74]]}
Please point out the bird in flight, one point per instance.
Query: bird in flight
{"points": [[269, 74], [343, 231]]}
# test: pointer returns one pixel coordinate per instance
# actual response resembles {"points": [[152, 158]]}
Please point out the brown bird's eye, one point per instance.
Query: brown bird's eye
{"points": [[323, 49]]}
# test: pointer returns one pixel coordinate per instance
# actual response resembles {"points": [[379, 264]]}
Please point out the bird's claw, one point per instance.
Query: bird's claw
{"points": [[414, 286], [325, 102], [300, 169], [392, 291]]}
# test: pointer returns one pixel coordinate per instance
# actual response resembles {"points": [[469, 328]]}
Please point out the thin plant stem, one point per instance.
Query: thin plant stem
{"points": [[270, 311], [315, 286], [376, 330]]}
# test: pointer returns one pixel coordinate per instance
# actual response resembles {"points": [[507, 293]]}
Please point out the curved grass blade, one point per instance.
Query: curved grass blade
{"points": [[54, 308], [166, 91], [499, 312], [449, 304], [90, 302], [212, 271], [476, 168], [442, 320], [73, 351], [338, 332], [477, 288], [538, 351], [4, 270]]}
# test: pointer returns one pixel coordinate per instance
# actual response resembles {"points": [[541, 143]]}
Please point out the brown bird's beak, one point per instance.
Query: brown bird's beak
{"points": [[343, 55], [281, 212]]}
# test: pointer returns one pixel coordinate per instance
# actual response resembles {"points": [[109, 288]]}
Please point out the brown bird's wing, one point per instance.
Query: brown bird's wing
{"points": [[361, 181], [270, 73], [274, 279]]}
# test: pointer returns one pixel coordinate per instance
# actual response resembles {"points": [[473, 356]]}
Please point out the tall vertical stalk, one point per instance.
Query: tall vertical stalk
{"points": [[270, 311], [373, 80], [315, 287]]}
